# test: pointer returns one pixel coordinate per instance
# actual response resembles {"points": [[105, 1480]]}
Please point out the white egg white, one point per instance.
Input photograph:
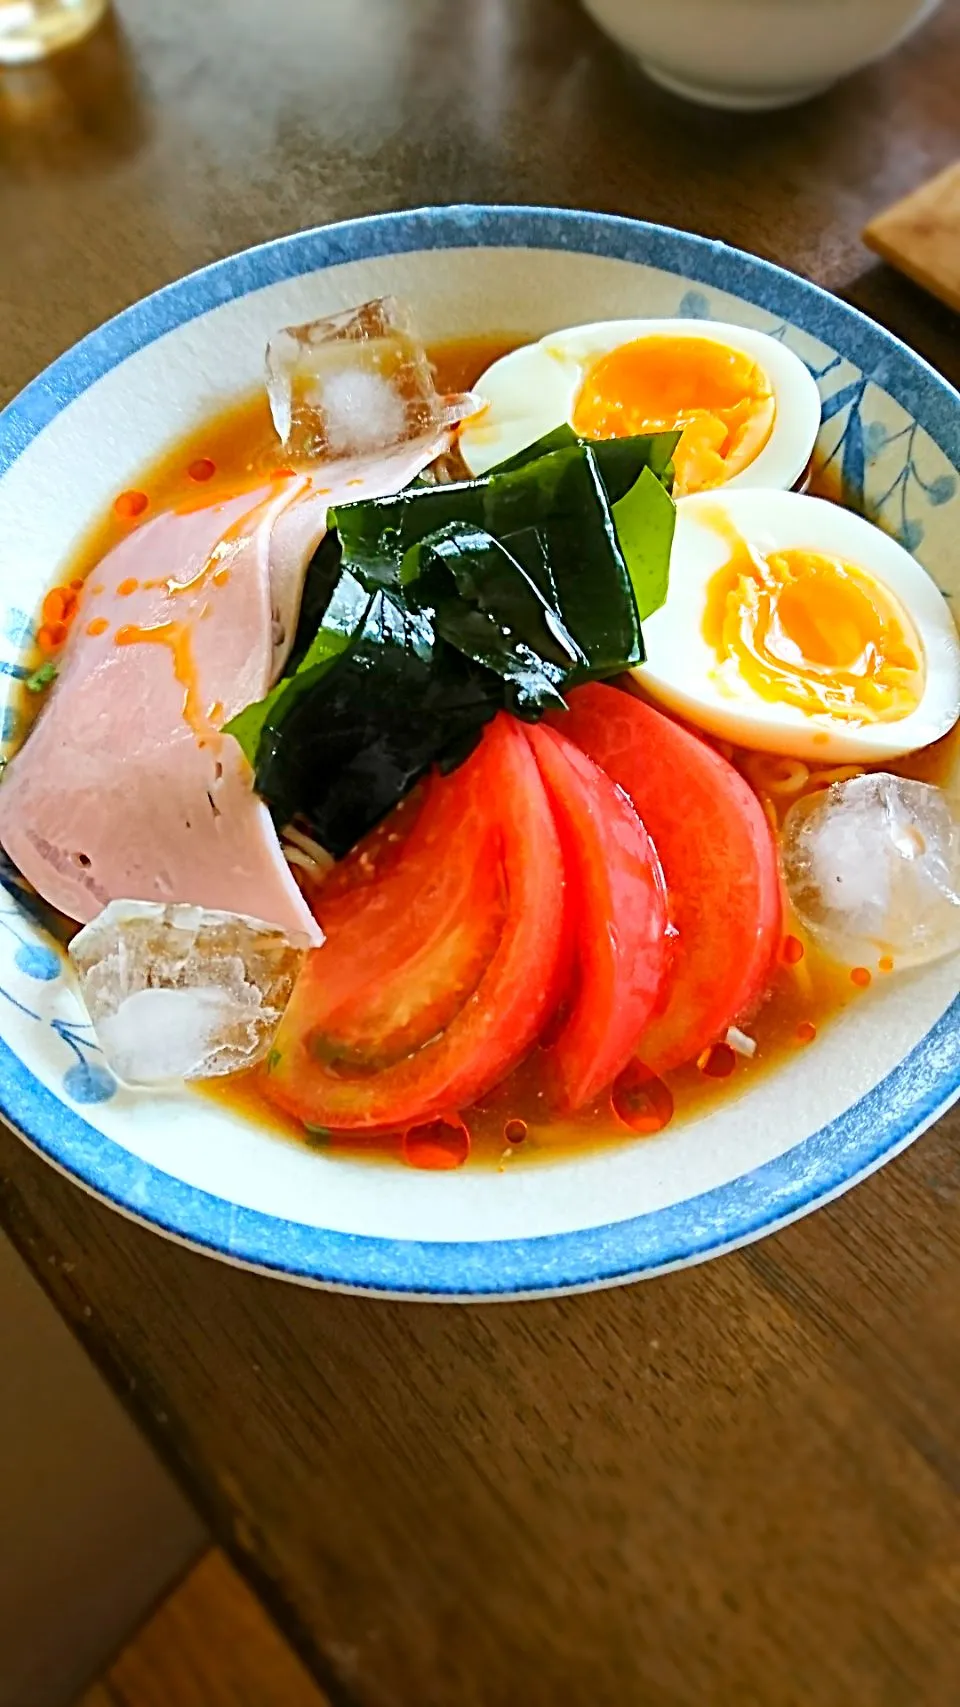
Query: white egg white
{"points": [[534, 389], [682, 671]]}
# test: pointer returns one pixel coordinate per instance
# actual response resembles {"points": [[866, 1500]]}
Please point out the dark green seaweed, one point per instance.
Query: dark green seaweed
{"points": [[561, 497], [644, 520], [344, 613], [483, 603], [620, 461], [427, 612], [349, 737]]}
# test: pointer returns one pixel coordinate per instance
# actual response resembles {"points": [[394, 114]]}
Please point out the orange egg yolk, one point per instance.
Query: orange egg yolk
{"points": [[720, 399], [811, 631]]}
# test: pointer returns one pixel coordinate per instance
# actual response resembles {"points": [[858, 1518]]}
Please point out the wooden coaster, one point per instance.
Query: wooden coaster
{"points": [[921, 236]]}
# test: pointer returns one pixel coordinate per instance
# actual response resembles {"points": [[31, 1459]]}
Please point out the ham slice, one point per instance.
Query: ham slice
{"points": [[126, 789]]}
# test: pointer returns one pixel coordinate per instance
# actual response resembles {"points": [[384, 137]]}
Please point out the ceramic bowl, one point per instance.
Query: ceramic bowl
{"points": [[188, 1168], [752, 55]]}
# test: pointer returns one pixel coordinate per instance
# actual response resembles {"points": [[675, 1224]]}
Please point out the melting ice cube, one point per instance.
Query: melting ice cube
{"points": [[872, 866], [176, 992], [356, 382]]}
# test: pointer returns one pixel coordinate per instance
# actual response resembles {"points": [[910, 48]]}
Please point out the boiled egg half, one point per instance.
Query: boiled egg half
{"points": [[747, 408], [794, 626]]}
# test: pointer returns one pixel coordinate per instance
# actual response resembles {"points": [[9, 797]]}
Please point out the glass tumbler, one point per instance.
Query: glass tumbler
{"points": [[31, 29]]}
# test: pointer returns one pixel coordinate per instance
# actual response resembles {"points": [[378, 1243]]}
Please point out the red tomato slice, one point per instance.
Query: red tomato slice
{"points": [[406, 947], [505, 814], [617, 900], [376, 856], [718, 857]]}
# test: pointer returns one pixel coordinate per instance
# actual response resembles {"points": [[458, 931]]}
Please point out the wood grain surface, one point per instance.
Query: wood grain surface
{"points": [[209, 1644], [738, 1486]]}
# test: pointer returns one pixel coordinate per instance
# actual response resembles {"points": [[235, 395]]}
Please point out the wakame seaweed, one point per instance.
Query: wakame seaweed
{"points": [[354, 733], [561, 496], [427, 612], [340, 618], [619, 460], [483, 603]]}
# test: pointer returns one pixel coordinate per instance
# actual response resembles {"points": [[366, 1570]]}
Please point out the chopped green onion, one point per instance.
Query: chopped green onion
{"points": [[41, 677]]}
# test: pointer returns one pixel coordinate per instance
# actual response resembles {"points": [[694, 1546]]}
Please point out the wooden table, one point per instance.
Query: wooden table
{"points": [[735, 1487]]}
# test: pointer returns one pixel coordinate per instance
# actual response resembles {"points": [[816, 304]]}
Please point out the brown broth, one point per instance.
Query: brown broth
{"points": [[807, 993], [241, 444]]}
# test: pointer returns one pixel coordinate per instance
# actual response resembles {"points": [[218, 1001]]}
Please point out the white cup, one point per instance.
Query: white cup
{"points": [[751, 55]]}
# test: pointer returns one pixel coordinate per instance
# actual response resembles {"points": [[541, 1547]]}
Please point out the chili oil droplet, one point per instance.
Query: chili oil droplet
{"points": [[718, 1062], [438, 1145], [51, 636], [642, 1101]]}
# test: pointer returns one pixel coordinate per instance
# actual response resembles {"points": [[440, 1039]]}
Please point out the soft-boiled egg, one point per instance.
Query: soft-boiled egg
{"points": [[794, 626], [747, 408]]}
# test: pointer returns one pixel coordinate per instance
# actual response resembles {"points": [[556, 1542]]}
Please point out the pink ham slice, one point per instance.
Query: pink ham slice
{"points": [[126, 789]]}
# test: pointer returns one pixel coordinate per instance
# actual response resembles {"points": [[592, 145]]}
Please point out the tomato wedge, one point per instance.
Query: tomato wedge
{"points": [[404, 946], [718, 857], [617, 902], [500, 822]]}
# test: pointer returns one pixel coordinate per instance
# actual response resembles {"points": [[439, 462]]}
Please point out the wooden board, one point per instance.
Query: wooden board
{"points": [[209, 1645], [920, 235], [737, 1486]]}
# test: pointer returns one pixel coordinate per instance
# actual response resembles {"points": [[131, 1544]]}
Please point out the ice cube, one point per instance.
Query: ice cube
{"points": [[176, 992], [356, 382], [872, 866]]}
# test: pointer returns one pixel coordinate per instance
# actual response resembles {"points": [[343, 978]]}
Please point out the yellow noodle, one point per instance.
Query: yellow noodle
{"points": [[790, 777], [774, 773], [770, 812], [837, 773]]}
